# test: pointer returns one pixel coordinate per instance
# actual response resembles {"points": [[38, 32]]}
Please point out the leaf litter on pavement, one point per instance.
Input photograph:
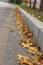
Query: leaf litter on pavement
{"points": [[28, 43]]}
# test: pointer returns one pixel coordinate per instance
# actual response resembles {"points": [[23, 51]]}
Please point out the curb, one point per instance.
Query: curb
{"points": [[35, 25]]}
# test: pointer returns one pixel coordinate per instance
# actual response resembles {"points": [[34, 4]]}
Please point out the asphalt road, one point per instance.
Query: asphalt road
{"points": [[9, 40]]}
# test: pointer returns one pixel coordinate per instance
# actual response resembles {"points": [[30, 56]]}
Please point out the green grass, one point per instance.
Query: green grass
{"points": [[36, 13], [22, 5]]}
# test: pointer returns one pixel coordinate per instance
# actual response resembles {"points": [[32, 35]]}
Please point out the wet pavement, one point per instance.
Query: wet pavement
{"points": [[9, 40]]}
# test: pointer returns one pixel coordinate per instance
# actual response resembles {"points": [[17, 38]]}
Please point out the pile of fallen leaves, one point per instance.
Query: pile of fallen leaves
{"points": [[28, 43], [24, 60]]}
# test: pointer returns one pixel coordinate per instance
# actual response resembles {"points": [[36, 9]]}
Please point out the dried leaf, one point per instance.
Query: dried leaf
{"points": [[24, 60]]}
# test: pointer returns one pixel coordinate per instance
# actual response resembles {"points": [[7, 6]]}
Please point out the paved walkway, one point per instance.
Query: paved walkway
{"points": [[9, 46], [3, 4]]}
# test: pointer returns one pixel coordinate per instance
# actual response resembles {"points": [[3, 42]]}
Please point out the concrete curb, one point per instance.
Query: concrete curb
{"points": [[35, 25]]}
